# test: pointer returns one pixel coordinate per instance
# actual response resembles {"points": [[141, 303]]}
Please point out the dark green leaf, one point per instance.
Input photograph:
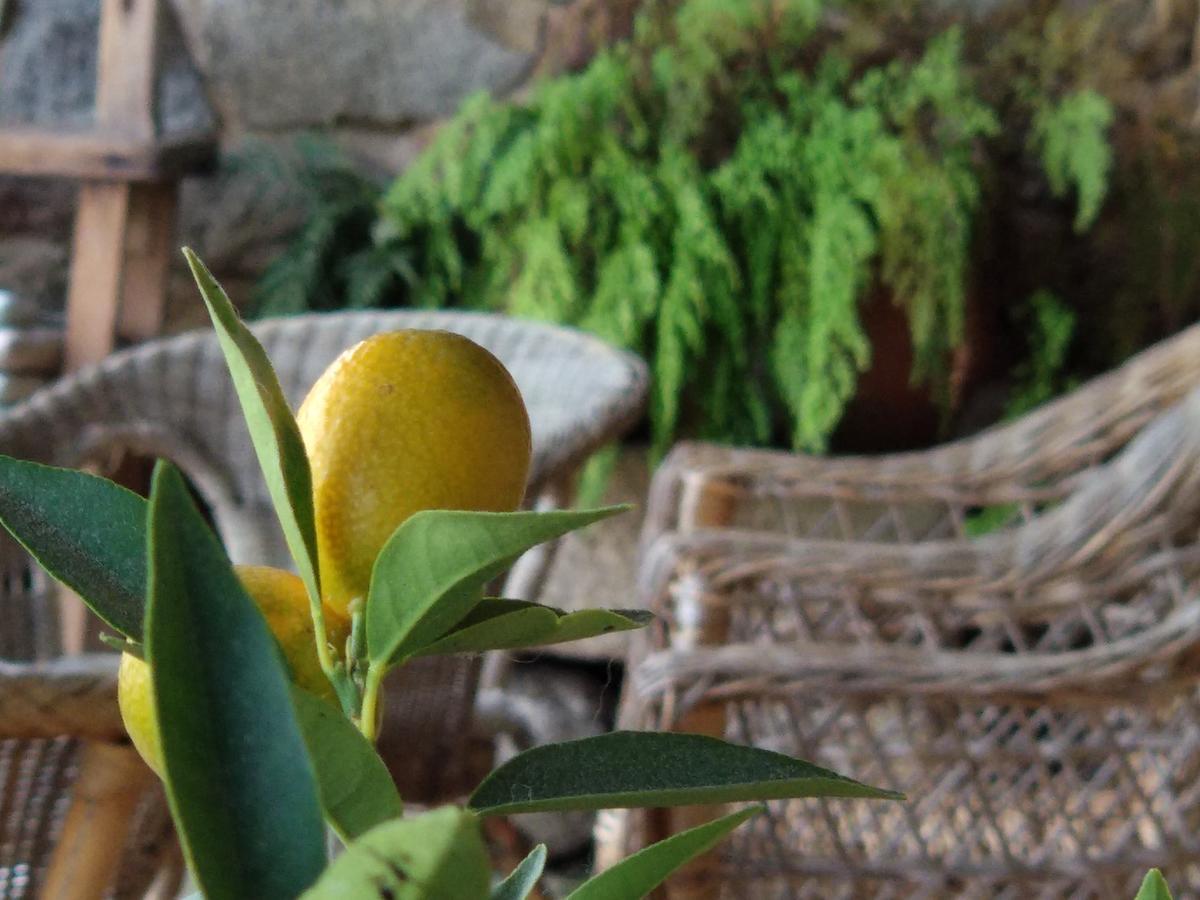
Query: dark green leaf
{"points": [[1154, 887], [85, 531], [634, 877], [430, 572], [356, 791], [436, 856], [273, 428], [643, 768], [238, 777], [523, 878], [496, 624]]}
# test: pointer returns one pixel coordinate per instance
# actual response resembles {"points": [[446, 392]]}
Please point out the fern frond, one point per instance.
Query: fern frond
{"points": [[626, 297], [545, 284], [1051, 329], [1070, 138]]}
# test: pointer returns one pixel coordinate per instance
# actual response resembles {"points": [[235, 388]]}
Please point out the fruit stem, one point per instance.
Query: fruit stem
{"points": [[323, 654], [356, 647], [369, 721], [336, 671]]}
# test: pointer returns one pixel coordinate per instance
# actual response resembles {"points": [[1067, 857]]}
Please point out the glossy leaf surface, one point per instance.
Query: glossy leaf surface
{"points": [[644, 768], [238, 776]]}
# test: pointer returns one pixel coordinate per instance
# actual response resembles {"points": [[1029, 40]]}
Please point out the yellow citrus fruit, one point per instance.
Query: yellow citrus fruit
{"points": [[137, 709], [402, 422], [283, 601]]}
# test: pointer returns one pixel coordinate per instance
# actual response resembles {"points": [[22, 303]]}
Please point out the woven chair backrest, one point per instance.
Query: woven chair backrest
{"points": [[1104, 581]]}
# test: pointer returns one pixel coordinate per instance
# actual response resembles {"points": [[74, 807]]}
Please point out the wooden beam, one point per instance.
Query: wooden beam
{"points": [[149, 245], [94, 289], [127, 66], [100, 156]]}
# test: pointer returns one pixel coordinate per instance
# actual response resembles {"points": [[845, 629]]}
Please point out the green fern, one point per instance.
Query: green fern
{"points": [[1070, 138], [1040, 377], [707, 196]]}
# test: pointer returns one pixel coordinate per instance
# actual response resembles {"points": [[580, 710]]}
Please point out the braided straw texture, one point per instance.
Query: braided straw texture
{"points": [[173, 398], [1032, 684]]}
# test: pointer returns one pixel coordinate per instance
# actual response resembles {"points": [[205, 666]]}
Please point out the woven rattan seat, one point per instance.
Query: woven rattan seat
{"points": [[1006, 628], [173, 398]]}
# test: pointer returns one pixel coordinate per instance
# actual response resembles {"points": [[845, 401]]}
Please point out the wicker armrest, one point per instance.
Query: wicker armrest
{"points": [[75, 696], [1164, 652], [1031, 461]]}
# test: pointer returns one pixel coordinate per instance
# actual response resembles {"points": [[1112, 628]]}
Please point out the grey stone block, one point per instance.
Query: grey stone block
{"points": [[285, 64], [48, 68]]}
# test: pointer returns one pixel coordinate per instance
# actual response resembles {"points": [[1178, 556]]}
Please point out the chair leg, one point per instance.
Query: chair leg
{"points": [[169, 879], [702, 506], [112, 780]]}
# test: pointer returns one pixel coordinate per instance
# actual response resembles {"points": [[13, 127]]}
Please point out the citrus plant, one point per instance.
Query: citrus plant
{"points": [[254, 693], [1154, 887]]}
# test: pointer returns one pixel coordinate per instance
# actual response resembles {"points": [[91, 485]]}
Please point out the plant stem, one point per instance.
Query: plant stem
{"points": [[356, 649], [323, 654], [369, 719], [339, 677]]}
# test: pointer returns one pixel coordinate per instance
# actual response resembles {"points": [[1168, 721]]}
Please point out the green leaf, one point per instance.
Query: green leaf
{"points": [[121, 644], [634, 877], [238, 777], [496, 624], [84, 530], [273, 428], [436, 855], [1154, 887], [644, 768], [429, 574], [524, 877], [355, 788]]}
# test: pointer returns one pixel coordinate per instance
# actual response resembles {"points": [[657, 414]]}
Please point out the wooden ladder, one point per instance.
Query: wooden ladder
{"points": [[121, 254], [125, 219]]}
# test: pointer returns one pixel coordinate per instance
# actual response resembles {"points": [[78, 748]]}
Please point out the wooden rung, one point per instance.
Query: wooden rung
{"points": [[96, 156], [112, 781]]}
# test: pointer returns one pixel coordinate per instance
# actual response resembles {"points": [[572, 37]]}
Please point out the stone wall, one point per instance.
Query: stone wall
{"points": [[374, 77]]}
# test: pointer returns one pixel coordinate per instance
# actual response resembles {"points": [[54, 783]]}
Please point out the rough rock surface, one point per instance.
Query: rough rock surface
{"points": [[279, 64], [48, 68]]}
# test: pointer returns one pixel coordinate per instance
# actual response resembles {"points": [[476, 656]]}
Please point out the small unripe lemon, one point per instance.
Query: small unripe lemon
{"points": [[281, 598], [402, 422]]}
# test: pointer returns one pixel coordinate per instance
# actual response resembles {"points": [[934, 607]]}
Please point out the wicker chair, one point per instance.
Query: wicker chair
{"points": [[1034, 689], [173, 398]]}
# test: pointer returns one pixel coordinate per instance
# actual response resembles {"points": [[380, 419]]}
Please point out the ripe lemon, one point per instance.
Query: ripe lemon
{"points": [[283, 601], [402, 422]]}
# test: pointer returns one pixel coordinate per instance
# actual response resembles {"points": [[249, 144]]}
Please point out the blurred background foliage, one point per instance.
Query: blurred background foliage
{"points": [[747, 191]]}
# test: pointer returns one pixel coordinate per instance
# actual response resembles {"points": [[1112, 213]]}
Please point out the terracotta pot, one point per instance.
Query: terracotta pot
{"points": [[888, 412]]}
